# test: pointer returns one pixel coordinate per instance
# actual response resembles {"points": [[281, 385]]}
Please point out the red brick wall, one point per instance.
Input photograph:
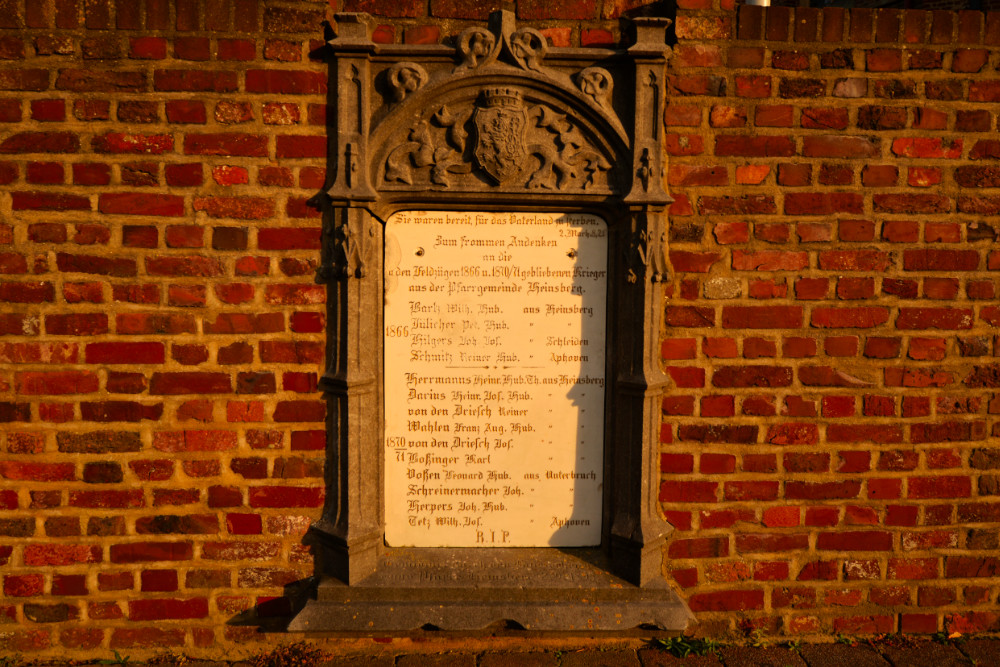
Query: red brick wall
{"points": [[831, 329], [832, 458], [162, 438]]}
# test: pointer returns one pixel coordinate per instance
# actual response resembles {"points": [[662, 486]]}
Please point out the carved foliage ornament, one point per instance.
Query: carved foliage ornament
{"points": [[353, 244], [523, 48], [646, 252], [516, 145], [405, 78]]}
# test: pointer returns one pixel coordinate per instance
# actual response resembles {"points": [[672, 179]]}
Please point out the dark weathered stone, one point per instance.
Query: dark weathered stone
{"points": [[611, 658], [841, 655], [986, 458], [361, 661], [443, 660], [749, 656], [928, 654], [660, 658], [99, 442], [519, 660], [983, 651]]}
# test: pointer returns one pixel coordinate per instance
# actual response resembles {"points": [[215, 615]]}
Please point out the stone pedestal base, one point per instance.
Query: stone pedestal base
{"points": [[469, 590]]}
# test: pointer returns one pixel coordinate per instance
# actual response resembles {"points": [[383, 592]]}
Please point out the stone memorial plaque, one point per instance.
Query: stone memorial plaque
{"points": [[494, 379]]}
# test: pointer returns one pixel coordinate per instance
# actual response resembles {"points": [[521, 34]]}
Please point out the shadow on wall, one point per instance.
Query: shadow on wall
{"points": [[661, 9], [274, 614]]}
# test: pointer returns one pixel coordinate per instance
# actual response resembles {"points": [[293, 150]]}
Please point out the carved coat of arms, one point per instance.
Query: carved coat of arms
{"points": [[501, 121]]}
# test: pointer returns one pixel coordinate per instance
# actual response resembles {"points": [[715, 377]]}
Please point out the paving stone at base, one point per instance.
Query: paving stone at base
{"points": [[653, 657], [361, 661], [927, 654], [590, 658], [440, 660], [986, 652], [512, 659], [841, 655], [748, 656]]}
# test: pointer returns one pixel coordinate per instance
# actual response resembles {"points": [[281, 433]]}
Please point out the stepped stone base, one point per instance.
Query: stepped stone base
{"points": [[468, 590]]}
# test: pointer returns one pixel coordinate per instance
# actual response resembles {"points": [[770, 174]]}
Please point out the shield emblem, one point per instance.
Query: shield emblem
{"points": [[501, 120]]}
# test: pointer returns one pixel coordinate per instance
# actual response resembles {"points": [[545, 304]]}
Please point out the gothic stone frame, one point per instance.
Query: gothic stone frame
{"points": [[401, 141]]}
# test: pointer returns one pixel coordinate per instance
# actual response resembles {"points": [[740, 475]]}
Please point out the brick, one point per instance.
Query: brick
{"points": [[158, 581], [26, 292], [173, 524], [299, 411], [678, 348], [141, 204], [226, 144], [849, 317], [778, 115], [744, 146], [121, 142], [37, 472], [142, 552], [854, 260], [179, 80], [244, 208], [55, 382], [727, 601], [24, 79], [165, 383], [854, 541], [183, 265], [44, 201], [794, 175], [285, 82], [90, 81], [789, 88], [39, 353], [744, 491], [769, 260], [751, 543], [186, 111], [235, 323], [300, 146], [761, 317], [934, 318], [751, 376], [921, 147], [840, 146]]}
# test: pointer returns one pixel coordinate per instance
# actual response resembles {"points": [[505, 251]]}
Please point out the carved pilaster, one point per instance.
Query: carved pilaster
{"points": [[352, 525], [638, 531]]}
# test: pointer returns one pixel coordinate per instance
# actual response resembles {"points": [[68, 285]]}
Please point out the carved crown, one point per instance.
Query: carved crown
{"points": [[501, 98]]}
